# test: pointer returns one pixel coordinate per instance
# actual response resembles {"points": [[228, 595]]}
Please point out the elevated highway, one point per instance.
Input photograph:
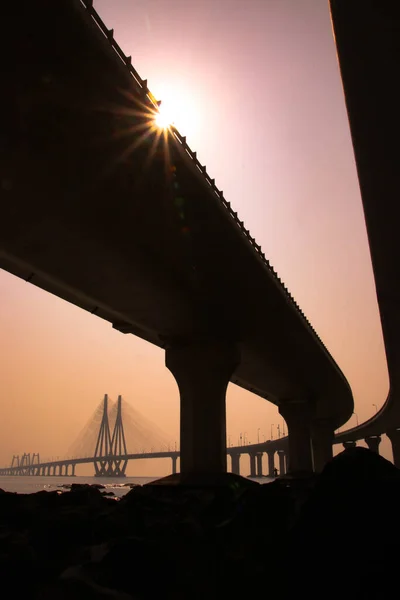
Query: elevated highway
{"points": [[367, 34], [100, 209]]}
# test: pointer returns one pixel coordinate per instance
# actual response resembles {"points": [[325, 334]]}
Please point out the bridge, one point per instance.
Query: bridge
{"points": [[106, 448], [106, 211], [110, 455], [367, 35]]}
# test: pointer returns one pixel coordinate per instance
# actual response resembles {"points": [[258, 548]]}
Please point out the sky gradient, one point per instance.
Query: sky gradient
{"points": [[259, 97]]}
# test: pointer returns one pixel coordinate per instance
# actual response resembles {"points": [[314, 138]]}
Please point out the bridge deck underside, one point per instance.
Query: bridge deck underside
{"points": [[101, 220]]}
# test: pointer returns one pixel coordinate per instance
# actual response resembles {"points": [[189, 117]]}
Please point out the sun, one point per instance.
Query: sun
{"points": [[178, 108], [164, 117]]}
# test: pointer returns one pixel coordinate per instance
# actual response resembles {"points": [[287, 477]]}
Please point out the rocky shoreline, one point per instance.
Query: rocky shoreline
{"points": [[333, 535]]}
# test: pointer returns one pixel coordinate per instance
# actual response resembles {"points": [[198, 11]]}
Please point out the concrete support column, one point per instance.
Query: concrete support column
{"points": [[373, 442], [297, 415], [281, 456], [349, 444], [271, 463], [236, 463], [394, 437], [322, 435], [202, 372], [252, 465], [259, 464], [174, 461], [73, 471]]}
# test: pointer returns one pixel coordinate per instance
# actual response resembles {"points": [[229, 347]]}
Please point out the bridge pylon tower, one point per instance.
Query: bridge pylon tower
{"points": [[118, 443], [25, 463], [15, 461], [103, 464], [110, 448]]}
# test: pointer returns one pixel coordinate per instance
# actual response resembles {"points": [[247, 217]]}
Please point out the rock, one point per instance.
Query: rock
{"points": [[189, 540], [355, 465], [76, 487], [76, 584], [81, 495], [352, 513]]}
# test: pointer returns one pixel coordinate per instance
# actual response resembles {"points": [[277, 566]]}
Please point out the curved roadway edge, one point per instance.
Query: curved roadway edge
{"points": [[367, 36]]}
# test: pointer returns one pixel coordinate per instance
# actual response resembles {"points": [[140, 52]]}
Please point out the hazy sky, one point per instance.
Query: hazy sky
{"points": [[258, 93]]}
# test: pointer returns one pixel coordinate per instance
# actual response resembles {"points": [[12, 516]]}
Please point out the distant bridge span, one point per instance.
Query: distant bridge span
{"points": [[66, 467], [110, 457]]}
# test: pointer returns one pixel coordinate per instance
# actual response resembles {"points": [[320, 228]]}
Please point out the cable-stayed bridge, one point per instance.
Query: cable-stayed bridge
{"points": [[116, 433], [117, 428]]}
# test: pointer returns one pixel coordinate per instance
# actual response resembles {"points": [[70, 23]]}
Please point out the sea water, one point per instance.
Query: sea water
{"points": [[119, 487]]}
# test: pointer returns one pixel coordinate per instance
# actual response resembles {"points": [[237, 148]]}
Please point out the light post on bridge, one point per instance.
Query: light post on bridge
{"points": [[258, 435], [279, 431], [356, 416], [272, 434], [376, 408], [244, 438]]}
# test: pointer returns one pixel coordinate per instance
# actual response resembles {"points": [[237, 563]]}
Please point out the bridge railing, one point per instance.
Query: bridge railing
{"points": [[148, 96]]}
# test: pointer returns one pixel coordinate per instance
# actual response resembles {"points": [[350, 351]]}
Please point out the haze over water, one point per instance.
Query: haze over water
{"points": [[266, 114]]}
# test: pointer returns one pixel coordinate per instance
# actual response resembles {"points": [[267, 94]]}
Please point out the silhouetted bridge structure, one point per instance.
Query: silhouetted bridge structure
{"points": [[123, 220], [171, 262], [110, 456]]}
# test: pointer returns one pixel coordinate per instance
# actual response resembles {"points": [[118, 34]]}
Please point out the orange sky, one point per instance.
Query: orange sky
{"points": [[266, 115]]}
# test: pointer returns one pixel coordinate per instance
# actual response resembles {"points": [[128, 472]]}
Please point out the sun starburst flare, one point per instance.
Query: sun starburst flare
{"points": [[164, 117]]}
